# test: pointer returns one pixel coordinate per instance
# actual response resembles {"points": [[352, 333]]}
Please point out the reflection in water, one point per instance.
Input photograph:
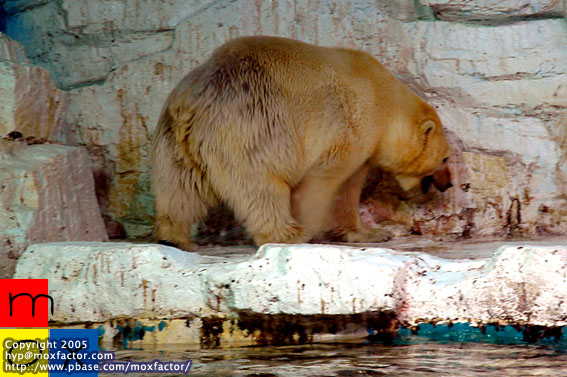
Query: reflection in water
{"points": [[343, 360]]}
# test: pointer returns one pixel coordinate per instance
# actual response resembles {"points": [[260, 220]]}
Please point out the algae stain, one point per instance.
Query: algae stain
{"points": [[101, 331], [132, 151], [129, 333], [161, 325]]}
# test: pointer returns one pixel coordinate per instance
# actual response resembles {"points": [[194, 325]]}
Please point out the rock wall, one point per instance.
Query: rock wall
{"points": [[496, 70], [30, 103], [47, 191]]}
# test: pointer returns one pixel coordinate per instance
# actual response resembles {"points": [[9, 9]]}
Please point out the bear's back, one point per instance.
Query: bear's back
{"points": [[274, 91]]}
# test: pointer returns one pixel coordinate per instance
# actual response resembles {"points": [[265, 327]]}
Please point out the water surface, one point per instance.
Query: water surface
{"points": [[364, 359]]}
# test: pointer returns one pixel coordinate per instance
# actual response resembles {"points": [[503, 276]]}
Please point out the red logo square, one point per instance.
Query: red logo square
{"points": [[24, 303]]}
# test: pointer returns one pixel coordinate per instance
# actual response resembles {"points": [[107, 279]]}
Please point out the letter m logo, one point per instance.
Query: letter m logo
{"points": [[24, 303]]}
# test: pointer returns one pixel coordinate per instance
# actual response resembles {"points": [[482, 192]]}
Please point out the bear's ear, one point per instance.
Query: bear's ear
{"points": [[427, 127]]}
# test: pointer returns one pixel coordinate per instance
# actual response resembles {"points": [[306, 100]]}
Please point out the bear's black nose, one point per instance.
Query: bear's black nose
{"points": [[447, 186]]}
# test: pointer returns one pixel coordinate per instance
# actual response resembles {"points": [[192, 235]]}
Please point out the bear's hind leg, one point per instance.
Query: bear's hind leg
{"points": [[177, 209], [182, 196], [347, 223], [170, 232], [264, 208]]}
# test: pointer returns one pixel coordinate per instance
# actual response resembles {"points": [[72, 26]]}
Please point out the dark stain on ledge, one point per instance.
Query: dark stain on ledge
{"points": [[534, 334], [283, 329], [211, 331]]}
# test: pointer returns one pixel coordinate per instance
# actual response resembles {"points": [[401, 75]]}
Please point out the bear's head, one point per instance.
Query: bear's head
{"points": [[414, 148]]}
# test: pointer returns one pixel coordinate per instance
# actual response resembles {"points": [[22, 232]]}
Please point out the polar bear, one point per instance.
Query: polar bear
{"points": [[283, 132]]}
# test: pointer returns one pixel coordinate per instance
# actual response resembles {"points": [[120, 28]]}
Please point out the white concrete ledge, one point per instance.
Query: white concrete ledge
{"points": [[98, 282]]}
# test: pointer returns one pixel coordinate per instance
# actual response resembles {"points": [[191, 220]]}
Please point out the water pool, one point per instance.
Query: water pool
{"points": [[427, 358]]}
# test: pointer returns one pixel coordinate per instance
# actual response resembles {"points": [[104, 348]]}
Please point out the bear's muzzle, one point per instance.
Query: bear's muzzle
{"points": [[441, 179]]}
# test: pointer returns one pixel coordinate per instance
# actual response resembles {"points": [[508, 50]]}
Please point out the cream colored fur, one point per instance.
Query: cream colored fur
{"points": [[283, 132]]}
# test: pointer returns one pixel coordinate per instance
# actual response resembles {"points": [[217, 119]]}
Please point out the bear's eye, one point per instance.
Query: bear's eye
{"points": [[445, 159]]}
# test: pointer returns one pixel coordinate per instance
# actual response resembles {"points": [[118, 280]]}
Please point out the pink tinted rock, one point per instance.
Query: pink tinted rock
{"points": [[12, 50], [47, 194], [31, 104]]}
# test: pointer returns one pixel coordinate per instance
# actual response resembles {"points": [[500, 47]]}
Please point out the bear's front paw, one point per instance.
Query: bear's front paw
{"points": [[368, 235]]}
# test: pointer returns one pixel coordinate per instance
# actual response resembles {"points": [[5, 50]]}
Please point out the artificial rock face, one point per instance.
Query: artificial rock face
{"points": [[494, 70], [284, 132], [47, 192]]}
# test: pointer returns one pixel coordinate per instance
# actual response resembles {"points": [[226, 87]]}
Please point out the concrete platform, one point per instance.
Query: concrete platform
{"points": [[299, 293]]}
